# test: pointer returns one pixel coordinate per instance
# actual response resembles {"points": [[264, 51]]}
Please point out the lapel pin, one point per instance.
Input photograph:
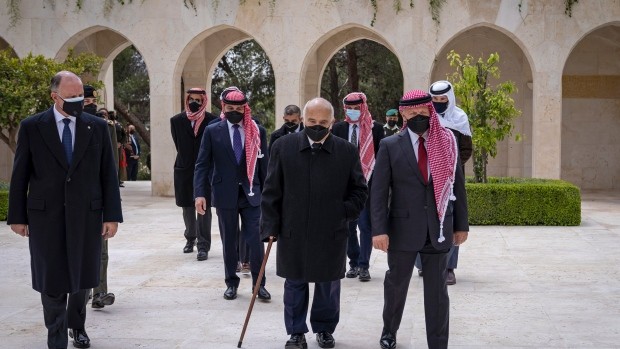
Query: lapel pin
{"points": [[89, 127]]}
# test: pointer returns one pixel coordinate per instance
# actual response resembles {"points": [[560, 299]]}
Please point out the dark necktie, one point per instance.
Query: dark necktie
{"points": [[354, 135], [66, 140], [422, 159], [316, 147], [237, 145]]}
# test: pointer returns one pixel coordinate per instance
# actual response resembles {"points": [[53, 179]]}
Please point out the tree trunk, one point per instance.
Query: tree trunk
{"points": [[354, 79], [333, 86], [132, 119]]}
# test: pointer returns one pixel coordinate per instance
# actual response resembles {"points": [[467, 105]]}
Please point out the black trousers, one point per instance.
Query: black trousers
{"points": [[198, 227], [132, 169], [60, 315], [228, 220], [436, 300], [325, 312]]}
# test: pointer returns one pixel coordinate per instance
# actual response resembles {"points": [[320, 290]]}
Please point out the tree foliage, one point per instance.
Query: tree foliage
{"points": [[368, 67], [24, 85], [247, 66], [491, 109]]}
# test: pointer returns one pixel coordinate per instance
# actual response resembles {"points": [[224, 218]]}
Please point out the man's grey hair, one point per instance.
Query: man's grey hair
{"points": [[55, 83], [318, 101], [292, 110]]}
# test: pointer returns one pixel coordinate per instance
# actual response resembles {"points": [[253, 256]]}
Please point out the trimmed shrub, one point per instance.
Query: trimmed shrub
{"points": [[523, 201], [4, 204]]}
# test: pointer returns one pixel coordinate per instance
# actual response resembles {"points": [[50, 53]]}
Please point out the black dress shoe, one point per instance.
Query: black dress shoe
{"points": [[352, 273], [202, 255], [387, 341], [263, 294], [231, 293], [80, 338], [325, 340], [100, 300], [189, 247], [297, 341], [450, 278], [364, 274]]}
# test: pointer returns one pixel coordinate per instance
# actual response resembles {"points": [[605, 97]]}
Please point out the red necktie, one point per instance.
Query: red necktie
{"points": [[422, 159]]}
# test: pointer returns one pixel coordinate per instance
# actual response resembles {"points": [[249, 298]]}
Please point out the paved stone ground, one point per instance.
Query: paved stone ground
{"points": [[517, 287]]}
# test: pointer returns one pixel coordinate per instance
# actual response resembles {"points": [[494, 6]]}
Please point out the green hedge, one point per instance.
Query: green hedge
{"points": [[4, 204], [523, 201]]}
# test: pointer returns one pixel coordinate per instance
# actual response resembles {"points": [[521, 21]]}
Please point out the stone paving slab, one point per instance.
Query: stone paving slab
{"points": [[517, 287]]}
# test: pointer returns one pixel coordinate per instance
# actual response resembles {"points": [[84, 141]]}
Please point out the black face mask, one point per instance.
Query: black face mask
{"points": [[316, 132], [73, 108], [391, 123], [440, 107], [90, 109], [194, 106], [419, 124], [233, 116], [290, 127]]}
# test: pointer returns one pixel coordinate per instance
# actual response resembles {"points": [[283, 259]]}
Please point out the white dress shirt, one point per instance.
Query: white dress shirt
{"points": [[231, 132], [61, 125], [415, 142]]}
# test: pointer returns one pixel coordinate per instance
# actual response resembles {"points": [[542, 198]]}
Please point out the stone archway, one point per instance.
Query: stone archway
{"points": [[591, 111], [5, 45], [322, 51], [514, 158], [200, 57]]}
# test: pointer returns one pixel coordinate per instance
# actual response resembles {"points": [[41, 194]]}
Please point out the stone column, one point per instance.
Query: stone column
{"points": [[547, 124]]}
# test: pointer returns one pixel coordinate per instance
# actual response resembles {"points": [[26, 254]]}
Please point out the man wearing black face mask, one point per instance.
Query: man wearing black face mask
{"points": [[187, 129], [292, 123], [391, 120], [231, 167], [314, 187], [419, 207], [90, 100], [64, 197]]}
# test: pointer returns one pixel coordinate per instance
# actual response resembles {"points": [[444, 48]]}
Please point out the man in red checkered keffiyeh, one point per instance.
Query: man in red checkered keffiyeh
{"points": [[418, 208], [364, 120]]}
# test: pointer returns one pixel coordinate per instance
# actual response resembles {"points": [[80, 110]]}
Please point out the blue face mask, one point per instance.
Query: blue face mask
{"points": [[353, 114]]}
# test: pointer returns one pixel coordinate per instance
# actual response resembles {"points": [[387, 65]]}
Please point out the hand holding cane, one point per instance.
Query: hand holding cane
{"points": [[256, 288]]}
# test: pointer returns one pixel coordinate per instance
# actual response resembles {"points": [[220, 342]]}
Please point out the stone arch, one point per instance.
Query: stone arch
{"points": [[104, 42], [514, 158], [200, 57], [324, 48], [590, 104]]}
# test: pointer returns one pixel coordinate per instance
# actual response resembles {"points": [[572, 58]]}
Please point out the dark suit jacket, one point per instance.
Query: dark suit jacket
{"points": [[187, 145], [281, 132], [307, 203], [341, 129], [64, 206], [403, 207], [217, 170]]}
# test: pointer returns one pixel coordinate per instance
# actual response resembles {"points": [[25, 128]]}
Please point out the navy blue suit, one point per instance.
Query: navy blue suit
{"points": [[217, 172]]}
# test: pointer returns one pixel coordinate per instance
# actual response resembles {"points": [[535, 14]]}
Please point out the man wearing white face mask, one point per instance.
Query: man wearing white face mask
{"points": [[360, 129]]}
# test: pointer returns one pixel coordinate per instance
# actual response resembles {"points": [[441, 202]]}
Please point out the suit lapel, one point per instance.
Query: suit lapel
{"points": [[186, 124], [407, 148], [49, 133], [83, 133]]}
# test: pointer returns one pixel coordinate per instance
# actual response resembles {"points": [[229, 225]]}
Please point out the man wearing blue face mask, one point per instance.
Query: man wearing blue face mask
{"points": [[364, 133], [64, 197]]}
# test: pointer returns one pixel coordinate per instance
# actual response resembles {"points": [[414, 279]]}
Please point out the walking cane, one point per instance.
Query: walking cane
{"points": [[256, 288]]}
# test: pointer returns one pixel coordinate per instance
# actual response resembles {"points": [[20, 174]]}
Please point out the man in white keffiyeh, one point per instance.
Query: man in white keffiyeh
{"points": [[418, 207]]}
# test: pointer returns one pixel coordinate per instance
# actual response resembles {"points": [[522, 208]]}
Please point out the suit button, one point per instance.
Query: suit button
{"points": [[425, 207], [69, 179]]}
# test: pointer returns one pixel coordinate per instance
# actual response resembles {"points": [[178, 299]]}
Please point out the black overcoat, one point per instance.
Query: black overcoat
{"points": [[187, 145], [308, 200], [64, 206]]}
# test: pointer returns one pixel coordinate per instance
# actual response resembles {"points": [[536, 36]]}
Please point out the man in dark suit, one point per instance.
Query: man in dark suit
{"points": [[232, 165], [418, 206], [365, 134], [134, 158], [314, 187], [64, 196], [187, 129], [292, 123]]}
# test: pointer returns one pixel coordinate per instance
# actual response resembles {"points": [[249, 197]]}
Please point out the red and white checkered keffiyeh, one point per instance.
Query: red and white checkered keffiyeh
{"points": [[198, 116], [252, 133], [442, 156], [366, 144]]}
